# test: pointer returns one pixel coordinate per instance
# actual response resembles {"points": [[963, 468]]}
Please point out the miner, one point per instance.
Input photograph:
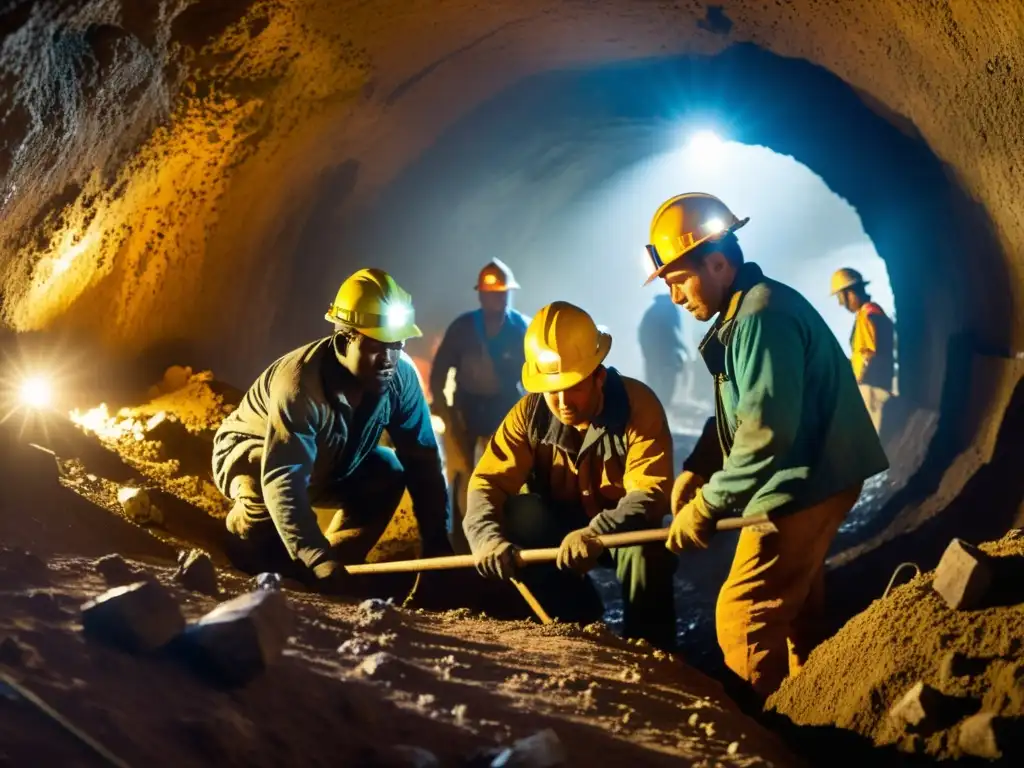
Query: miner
{"points": [[485, 349], [586, 452], [871, 343], [308, 432], [790, 439]]}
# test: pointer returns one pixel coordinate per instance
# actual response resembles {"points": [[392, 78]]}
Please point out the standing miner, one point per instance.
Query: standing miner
{"points": [[485, 347], [308, 432], [871, 343], [664, 351], [794, 439], [593, 449]]}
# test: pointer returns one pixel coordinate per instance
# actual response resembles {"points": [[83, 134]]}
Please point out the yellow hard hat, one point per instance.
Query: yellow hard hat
{"points": [[563, 346], [846, 278], [375, 305], [684, 222], [496, 277]]}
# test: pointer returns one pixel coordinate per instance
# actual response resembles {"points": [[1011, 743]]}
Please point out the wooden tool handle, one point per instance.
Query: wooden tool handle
{"points": [[527, 556]]}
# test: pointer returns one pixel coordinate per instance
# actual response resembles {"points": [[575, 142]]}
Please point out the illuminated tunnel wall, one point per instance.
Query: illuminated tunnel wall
{"points": [[531, 153]]}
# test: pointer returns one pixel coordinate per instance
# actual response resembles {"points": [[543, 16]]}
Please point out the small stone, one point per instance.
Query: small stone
{"points": [[138, 506], [373, 611], [240, 638], [981, 735], [372, 666], [115, 570], [270, 582], [542, 750], [963, 576], [14, 653], [733, 748], [693, 719], [459, 713], [138, 617], [196, 572], [917, 706]]}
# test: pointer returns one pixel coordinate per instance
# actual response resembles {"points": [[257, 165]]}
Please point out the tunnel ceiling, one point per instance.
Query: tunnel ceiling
{"points": [[163, 161]]}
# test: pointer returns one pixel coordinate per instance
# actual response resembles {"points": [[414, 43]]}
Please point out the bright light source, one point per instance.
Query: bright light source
{"points": [[36, 392], [397, 315], [714, 226], [548, 358], [490, 279], [705, 147]]}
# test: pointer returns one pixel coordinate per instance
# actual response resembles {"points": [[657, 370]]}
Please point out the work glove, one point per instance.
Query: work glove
{"points": [[692, 527], [497, 561], [684, 489], [579, 551], [330, 576]]}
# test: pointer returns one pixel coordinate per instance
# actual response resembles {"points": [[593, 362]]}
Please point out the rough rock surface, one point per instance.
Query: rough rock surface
{"points": [[137, 617], [975, 659]]}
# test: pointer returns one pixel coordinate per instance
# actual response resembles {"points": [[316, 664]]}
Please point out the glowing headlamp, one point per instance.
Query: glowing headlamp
{"points": [[548, 361], [397, 315], [36, 392]]}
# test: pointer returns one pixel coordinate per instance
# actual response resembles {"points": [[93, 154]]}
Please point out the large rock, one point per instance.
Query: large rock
{"points": [[963, 576], [239, 639], [138, 617]]}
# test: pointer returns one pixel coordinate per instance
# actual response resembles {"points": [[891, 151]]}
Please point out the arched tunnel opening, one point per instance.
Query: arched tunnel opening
{"points": [[211, 233]]}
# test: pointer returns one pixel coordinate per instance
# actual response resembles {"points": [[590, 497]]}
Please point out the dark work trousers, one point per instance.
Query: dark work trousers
{"points": [[366, 501], [645, 572]]}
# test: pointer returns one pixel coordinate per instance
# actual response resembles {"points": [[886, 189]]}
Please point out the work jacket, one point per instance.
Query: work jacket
{"points": [[619, 472], [872, 343], [790, 427], [308, 438], [487, 370]]}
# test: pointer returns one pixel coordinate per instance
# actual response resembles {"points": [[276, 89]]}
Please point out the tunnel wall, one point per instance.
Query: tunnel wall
{"points": [[529, 155], [163, 161]]}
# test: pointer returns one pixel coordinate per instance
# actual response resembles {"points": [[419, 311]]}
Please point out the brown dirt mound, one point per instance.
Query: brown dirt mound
{"points": [[975, 658]]}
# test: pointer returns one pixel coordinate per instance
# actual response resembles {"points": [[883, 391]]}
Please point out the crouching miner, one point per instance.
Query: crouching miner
{"points": [[308, 431], [587, 452]]}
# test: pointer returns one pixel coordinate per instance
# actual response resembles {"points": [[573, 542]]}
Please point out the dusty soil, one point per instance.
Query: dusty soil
{"points": [[853, 679], [353, 682]]}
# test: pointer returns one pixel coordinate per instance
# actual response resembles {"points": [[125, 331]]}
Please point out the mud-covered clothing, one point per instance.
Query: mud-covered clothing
{"points": [[790, 421], [296, 431], [619, 473], [872, 344], [487, 369], [771, 609]]}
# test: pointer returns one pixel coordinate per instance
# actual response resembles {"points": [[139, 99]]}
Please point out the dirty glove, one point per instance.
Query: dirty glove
{"points": [[692, 527], [497, 561], [330, 577], [579, 551], [684, 489]]}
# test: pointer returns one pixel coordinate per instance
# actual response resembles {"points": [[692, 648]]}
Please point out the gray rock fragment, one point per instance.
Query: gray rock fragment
{"points": [[983, 734], [115, 570], [963, 576], [240, 638], [138, 617], [271, 582], [197, 573]]}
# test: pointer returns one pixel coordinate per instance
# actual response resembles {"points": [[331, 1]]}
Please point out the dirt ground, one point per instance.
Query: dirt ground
{"points": [[353, 682], [975, 658]]}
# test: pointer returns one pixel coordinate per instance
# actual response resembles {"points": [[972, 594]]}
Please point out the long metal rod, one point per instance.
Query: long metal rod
{"points": [[528, 556], [62, 721]]}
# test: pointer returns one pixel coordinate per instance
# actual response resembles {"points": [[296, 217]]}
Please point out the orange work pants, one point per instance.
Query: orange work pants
{"points": [[770, 609]]}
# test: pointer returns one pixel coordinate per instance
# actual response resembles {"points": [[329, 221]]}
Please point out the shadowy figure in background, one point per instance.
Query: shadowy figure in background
{"points": [[665, 353], [485, 347], [872, 343]]}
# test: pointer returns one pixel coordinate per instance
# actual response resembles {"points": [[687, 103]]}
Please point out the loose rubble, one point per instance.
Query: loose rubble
{"points": [[542, 750], [138, 617], [116, 571], [967, 662], [138, 507]]}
